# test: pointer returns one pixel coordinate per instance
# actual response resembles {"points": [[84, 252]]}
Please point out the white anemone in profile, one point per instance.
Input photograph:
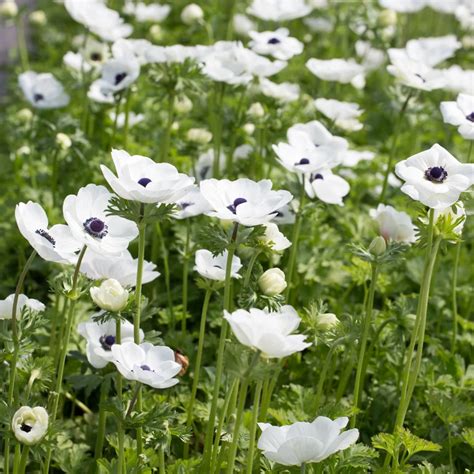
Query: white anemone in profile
{"points": [[120, 119], [191, 204], [432, 51], [43, 91], [326, 186], [461, 114], [352, 158], [458, 80], [371, 58], [213, 267], [345, 115], [118, 74], [6, 306], [279, 10], [142, 12], [243, 201], [29, 425], [304, 443], [54, 244], [278, 44], [274, 238], [269, 333], [145, 363], [394, 225], [101, 337], [86, 215], [345, 71], [284, 91], [139, 178], [434, 177], [403, 6]]}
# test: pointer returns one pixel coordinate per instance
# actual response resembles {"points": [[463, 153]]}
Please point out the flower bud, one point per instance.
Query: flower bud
{"points": [[29, 425], [191, 13], [63, 141], [378, 246], [256, 110], [326, 321], [24, 115], [23, 150], [110, 295], [249, 128], [467, 41], [38, 17], [183, 105], [183, 360], [272, 282], [388, 17], [307, 38], [199, 135], [8, 9], [156, 33]]}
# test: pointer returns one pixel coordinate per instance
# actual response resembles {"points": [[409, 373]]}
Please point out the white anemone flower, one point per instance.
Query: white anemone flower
{"points": [[132, 48], [432, 51], [143, 12], [304, 443], [43, 91], [99, 95], [213, 267], [278, 44], [458, 80], [352, 158], [191, 204], [344, 114], [403, 6], [284, 92], [6, 306], [326, 186], [53, 244], [29, 425], [371, 58], [145, 363], [118, 74], [434, 177], [338, 70], [141, 179], [205, 164], [76, 62], [101, 337], [133, 119], [461, 114], [122, 268], [279, 10], [86, 215], [285, 215], [273, 237], [269, 333], [243, 201], [242, 24], [394, 225]]}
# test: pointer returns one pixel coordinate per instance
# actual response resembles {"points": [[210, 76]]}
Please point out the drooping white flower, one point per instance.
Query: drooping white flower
{"points": [[143, 12], [326, 186], [145, 363], [270, 333], [272, 282], [86, 215], [339, 70], [122, 268], [278, 44], [101, 337], [54, 244], [110, 295], [6, 306], [293, 445], [244, 201], [344, 114], [434, 177], [141, 179], [279, 10], [284, 91], [394, 225], [461, 114], [275, 238], [213, 267], [43, 91], [29, 425], [191, 204]]}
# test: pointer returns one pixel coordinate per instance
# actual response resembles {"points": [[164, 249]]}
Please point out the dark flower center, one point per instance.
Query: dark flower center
{"points": [[96, 56], [184, 205], [145, 367], [96, 227], [273, 41], [470, 117], [436, 174], [107, 342], [26, 428], [303, 161], [237, 202], [421, 77], [120, 77], [46, 236], [144, 182], [204, 171], [38, 97], [316, 176]]}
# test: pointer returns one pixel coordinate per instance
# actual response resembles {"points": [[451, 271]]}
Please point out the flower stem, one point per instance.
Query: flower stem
{"points": [[21, 40], [99, 446], [165, 143], [21, 468], [253, 426], [185, 277], [216, 126], [120, 428], [127, 117], [454, 298], [251, 264], [360, 374], [166, 271], [117, 112], [303, 468]]}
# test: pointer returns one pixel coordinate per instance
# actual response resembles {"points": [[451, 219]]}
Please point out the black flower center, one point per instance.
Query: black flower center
{"points": [[303, 161], [145, 367], [46, 236], [436, 174], [120, 77], [316, 176], [107, 342], [96, 227], [38, 97], [204, 171], [144, 182], [237, 202], [421, 77], [96, 57], [273, 41], [184, 205], [26, 428], [470, 117]]}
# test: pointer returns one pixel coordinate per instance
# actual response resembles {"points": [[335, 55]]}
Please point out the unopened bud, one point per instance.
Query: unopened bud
{"points": [[378, 246], [272, 282], [182, 360]]}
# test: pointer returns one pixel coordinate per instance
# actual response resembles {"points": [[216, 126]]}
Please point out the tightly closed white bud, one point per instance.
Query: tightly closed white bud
{"points": [[256, 110], [378, 246], [388, 17], [199, 135], [24, 150], [156, 33], [30, 424], [24, 115], [327, 321], [110, 295], [272, 282], [249, 128], [38, 17], [183, 105], [191, 13], [63, 141], [8, 9]]}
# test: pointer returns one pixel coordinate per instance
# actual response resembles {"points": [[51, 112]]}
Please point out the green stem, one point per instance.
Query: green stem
{"points": [[253, 427], [127, 117], [21, 468], [54, 176], [166, 271], [21, 40], [251, 264], [165, 145], [216, 124], [185, 276], [120, 424], [360, 374], [117, 112], [454, 285], [99, 446], [303, 468], [161, 454]]}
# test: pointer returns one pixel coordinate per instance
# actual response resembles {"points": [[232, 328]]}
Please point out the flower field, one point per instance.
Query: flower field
{"points": [[237, 237]]}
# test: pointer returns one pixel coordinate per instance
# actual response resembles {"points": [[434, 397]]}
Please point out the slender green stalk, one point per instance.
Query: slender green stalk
{"points": [[165, 143], [216, 126], [303, 468], [360, 374], [197, 369], [251, 264], [185, 276], [54, 175], [220, 351], [253, 427], [127, 117], [166, 271], [120, 426], [117, 112], [99, 445], [21, 40], [161, 454], [21, 468], [454, 298]]}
